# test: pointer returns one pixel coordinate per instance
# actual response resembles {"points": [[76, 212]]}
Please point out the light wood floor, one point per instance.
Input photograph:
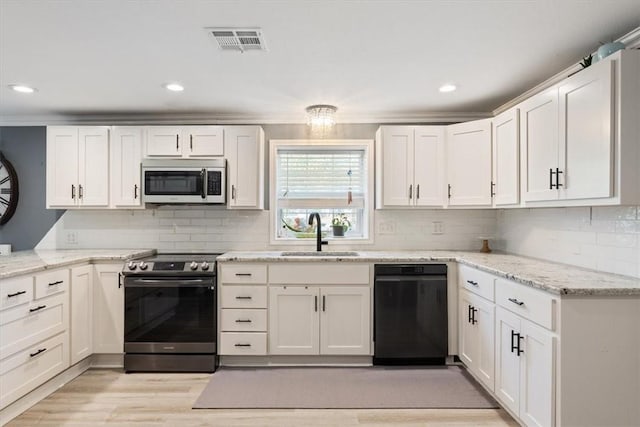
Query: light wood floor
{"points": [[110, 397]]}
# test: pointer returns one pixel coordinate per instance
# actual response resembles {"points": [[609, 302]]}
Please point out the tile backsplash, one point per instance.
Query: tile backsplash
{"points": [[601, 238]]}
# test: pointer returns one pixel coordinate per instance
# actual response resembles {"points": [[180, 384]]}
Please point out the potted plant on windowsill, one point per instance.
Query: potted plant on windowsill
{"points": [[340, 224]]}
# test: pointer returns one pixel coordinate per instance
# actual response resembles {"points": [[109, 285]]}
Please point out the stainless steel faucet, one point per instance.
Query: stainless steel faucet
{"points": [[319, 241]]}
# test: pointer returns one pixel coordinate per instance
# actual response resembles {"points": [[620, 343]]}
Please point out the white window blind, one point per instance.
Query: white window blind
{"points": [[320, 178]]}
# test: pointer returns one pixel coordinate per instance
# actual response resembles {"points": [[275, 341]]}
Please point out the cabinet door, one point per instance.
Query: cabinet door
{"points": [[397, 165], [539, 144], [93, 169], [507, 360], [485, 330], [536, 376], [428, 160], [126, 156], [81, 312], [586, 133], [164, 141], [506, 158], [468, 337], [345, 320], [469, 163], [108, 309], [203, 141], [245, 157], [293, 320], [62, 166]]}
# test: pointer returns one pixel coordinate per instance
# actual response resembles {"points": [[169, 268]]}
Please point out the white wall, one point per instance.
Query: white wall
{"points": [[215, 229], [600, 238]]}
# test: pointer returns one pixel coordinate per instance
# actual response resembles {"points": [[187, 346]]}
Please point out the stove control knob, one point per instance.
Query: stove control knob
{"points": [[193, 265], [132, 265], [204, 266], [143, 265]]}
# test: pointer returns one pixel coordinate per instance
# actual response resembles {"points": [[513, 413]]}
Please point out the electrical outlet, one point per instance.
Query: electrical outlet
{"points": [[72, 238], [387, 227], [437, 227]]}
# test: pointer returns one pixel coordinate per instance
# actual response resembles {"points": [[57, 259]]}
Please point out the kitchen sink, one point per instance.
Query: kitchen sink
{"points": [[316, 253]]}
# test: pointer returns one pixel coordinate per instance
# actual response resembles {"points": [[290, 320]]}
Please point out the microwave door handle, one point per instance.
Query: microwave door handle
{"points": [[203, 175]]}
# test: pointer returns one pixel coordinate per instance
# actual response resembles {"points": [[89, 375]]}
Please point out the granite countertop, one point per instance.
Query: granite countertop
{"points": [[560, 279], [25, 262]]}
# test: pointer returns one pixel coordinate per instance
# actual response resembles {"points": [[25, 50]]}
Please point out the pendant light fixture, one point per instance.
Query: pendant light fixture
{"points": [[321, 118]]}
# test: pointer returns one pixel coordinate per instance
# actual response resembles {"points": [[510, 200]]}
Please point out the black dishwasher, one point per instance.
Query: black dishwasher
{"points": [[410, 314]]}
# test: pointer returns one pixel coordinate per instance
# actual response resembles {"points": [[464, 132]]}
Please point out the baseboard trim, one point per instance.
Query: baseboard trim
{"points": [[109, 361], [295, 361]]}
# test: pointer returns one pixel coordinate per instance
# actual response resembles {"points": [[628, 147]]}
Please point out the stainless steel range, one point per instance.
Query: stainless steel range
{"points": [[170, 314]]}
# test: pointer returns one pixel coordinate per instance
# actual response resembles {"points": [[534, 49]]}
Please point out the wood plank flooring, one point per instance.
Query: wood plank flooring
{"points": [[110, 397]]}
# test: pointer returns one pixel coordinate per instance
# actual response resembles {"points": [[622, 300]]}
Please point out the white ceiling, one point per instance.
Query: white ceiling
{"points": [[375, 60]]}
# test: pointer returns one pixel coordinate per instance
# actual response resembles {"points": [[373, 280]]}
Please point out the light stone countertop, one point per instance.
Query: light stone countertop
{"points": [[26, 262], [552, 277]]}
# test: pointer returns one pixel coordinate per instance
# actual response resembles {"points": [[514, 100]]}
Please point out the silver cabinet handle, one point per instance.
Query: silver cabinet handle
{"points": [[233, 192], [515, 301], [79, 191]]}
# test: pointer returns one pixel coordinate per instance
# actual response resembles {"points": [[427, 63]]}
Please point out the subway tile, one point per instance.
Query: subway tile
{"points": [[173, 238], [614, 212], [616, 239]]}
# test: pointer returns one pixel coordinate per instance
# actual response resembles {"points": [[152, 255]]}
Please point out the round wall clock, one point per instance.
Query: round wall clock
{"points": [[8, 190]]}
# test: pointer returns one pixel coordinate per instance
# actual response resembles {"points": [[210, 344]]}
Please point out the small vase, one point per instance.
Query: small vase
{"points": [[338, 230]]}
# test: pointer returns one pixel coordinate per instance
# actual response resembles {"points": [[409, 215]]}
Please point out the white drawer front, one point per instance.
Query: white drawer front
{"points": [[243, 273], [319, 273], [243, 296], [532, 304], [476, 281], [25, 325], [16, 291], [243, 343], [243, 320], [24, 371], [51, 282]]}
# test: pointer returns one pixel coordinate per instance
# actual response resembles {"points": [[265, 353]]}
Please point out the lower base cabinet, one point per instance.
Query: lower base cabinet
{"points": [[108, 306], [81, 315], [477, 349]]}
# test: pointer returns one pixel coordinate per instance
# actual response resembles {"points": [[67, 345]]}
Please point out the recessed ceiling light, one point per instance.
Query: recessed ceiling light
{"points": [[447, 88], [22, 88], [174, 87]]}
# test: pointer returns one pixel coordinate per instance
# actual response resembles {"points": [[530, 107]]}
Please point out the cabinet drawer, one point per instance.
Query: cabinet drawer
{"points": [[243, 273], [25, 325], [532, 304], [24, 371], [319, 273], [477, 282], [243, 343], [16, 291], [51, 283], [243, 296], [243, 320]]}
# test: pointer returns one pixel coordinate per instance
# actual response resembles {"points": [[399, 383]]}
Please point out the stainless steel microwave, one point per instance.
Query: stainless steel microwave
{"points": [[178, 181]]}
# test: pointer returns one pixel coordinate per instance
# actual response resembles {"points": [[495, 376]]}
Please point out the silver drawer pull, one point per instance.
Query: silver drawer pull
{"points": [[15, 294], [56, 283], [243, 274], [515, 301], [40, 307], [471, 282], [243, 321], [241, 297], [42, 350], [243, 345]]}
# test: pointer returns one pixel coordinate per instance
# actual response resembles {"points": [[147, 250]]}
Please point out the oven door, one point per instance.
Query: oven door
{"points": [[170, 315], [167, 185]]}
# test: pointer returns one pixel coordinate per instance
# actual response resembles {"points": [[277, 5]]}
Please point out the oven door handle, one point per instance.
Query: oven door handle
{"points": [[168, 283]]}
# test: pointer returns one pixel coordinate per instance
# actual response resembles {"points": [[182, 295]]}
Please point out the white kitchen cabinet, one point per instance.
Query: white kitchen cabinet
{"points": [[77, 166], [476, 317], [126, 157], [184, 141], [525, 369], [108, 309], [468, 154], [244, 151], [411, 167], [81, 313], [331, 320], [506, 158]]}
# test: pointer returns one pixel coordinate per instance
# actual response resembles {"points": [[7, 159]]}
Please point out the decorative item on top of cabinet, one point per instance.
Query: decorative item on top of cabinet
{"points": [[77, 166], [410, 169], [469, 164], [244, 151], [505, 184], [184, 141], [126, 157]]}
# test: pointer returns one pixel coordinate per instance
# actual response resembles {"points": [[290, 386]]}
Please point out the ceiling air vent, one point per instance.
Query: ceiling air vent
{"points": [[238, 39]]}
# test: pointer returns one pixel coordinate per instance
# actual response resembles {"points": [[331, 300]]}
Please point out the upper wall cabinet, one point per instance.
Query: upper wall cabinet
{"points": [[77, 166], [579, 138], [410, 167], [184, 141], [126, 156], [245, 167], [469, 163], [506, 158]]}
